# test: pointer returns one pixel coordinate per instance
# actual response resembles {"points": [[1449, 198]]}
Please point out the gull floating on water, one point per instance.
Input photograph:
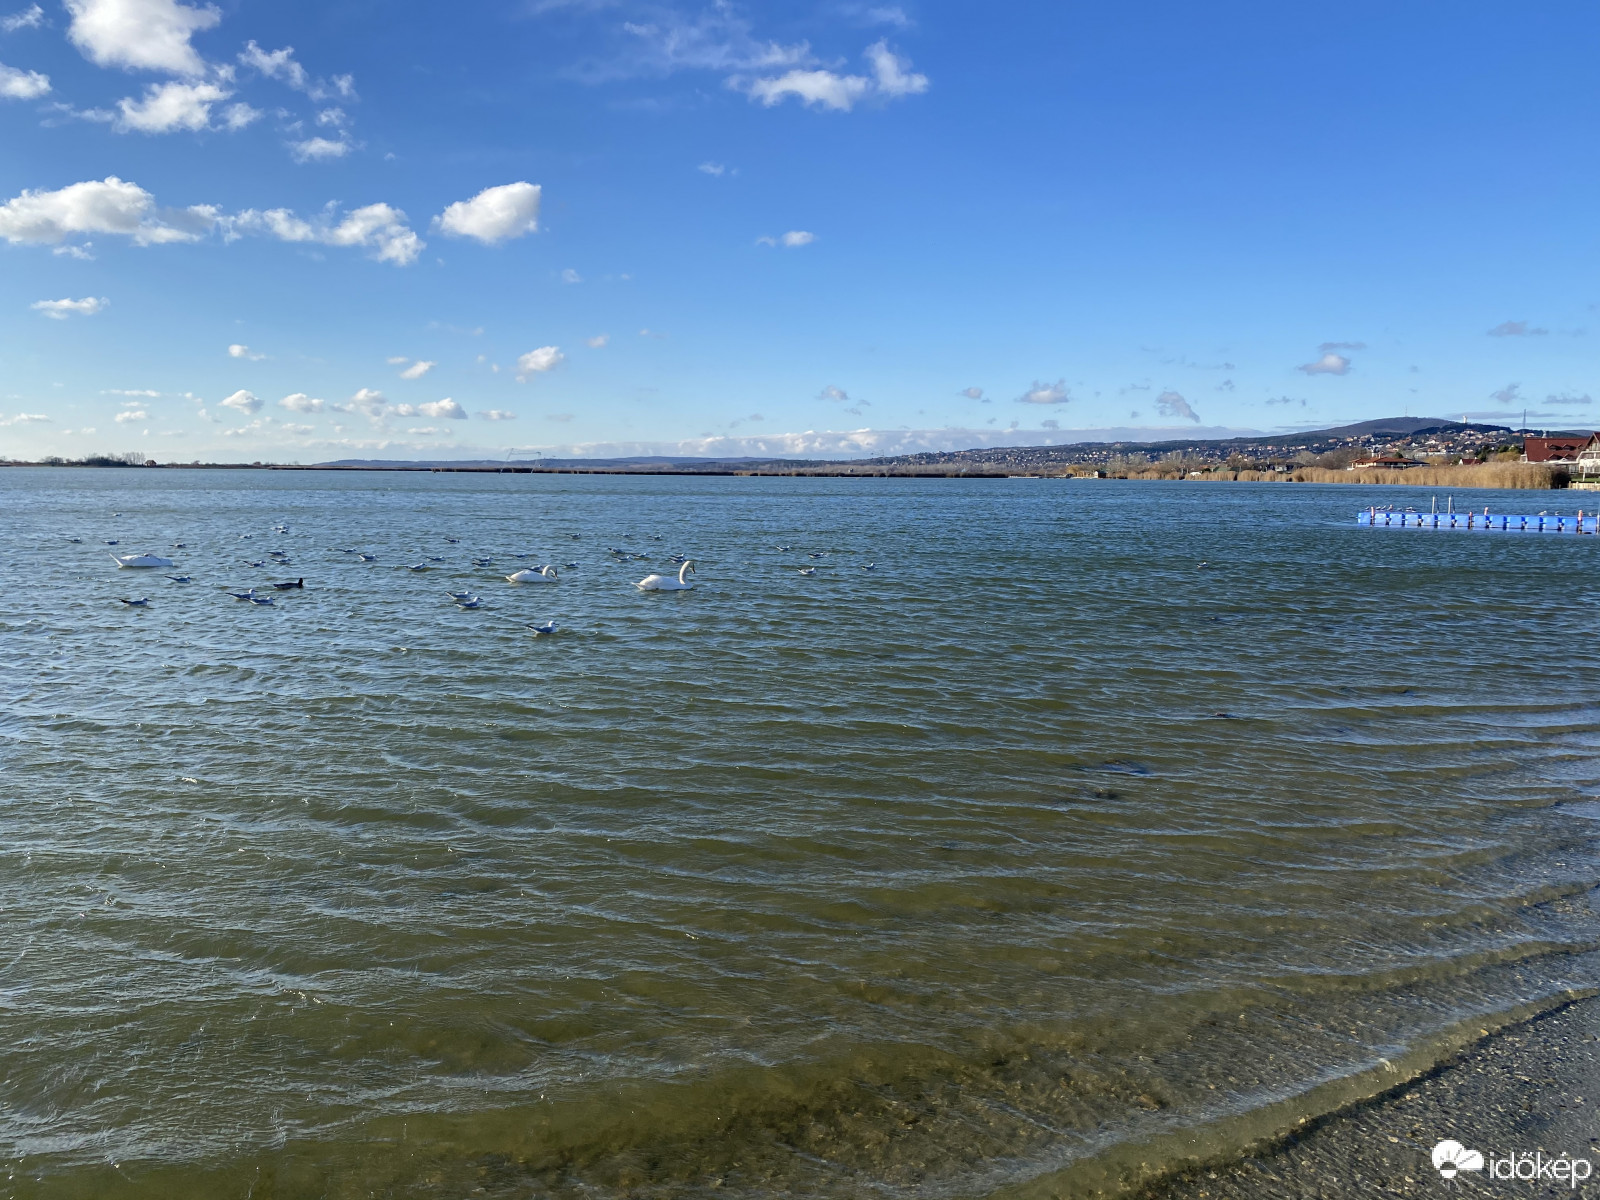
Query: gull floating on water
{"points": [[247, 594], [179, 578], [808, 570], [417, 567], [472, 602], [260, 599], [545, 574], [141, 560], [666, 583], [142, 602], [262, 563], [367, 557], [459, 595], [548, 626]]}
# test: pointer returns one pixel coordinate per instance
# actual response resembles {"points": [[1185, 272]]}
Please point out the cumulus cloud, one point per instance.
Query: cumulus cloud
{"points": [[598, 341], [537, 362], [1046, 393], [1171, 404], [30, 419], [379, 228], [243, 401], [128, 416], [301, 403], [60, 310], [241, 351], [166, 107], [281, 65], [100, 206], [318, 149], [792, 240], [31, 17], [446, 409], [151, 35], [22, 85], [496, 214], [418, 369], [1516, 329], [1328, 364], [712, 168], [820, 88], [497, 414]]}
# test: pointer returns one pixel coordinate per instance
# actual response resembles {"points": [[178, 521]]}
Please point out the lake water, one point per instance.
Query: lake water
{"points": [[1032, 859]]}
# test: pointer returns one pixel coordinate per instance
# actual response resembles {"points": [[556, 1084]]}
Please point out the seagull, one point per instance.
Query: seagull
{"points": [[256, 564], [871, 566], [452, 541], [547, 627], [575, 537], [76, 541], [783, 548], [422, 566], [179, 578], [367, 557], [460, 595], [247, 594], [180, 545], [572, 566], [1200, 566], [260, 599], [483, 562], [655, 537], [285, 587], [113, 541], [817, 554], [434, 558], [472, 603], [345, 549], [677, 558], [808, 570], [142, 602]]}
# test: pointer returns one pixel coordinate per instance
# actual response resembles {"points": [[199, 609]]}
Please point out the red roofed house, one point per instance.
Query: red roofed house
{"points": [[1556, 449]]}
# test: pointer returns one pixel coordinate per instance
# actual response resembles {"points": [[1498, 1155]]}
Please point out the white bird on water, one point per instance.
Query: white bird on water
{"points": [[141, 560], [545, 574], [547, 627], [666, 583]]}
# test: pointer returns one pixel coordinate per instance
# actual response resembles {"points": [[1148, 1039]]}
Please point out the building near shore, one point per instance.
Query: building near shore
{"points": [[1557, 449], [1395, 461]]}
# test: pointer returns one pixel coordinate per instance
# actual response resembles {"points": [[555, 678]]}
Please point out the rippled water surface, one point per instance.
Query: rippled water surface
{"points": [[1025, 861]]}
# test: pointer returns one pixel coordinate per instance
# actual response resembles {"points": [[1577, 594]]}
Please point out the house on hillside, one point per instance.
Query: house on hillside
{"points": [[1557, 449]]}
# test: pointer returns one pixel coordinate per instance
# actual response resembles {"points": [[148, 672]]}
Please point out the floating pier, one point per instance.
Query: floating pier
{"points": [[1485, 520]]}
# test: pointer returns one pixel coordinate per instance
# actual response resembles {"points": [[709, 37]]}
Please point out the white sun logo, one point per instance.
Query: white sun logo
{"points": [[1451, 1158]]}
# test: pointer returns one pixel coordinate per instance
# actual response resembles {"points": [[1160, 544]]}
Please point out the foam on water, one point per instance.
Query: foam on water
{"points": [[1036, 844]]}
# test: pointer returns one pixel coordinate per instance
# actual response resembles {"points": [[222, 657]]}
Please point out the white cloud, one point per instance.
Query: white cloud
{"points": [[571, 276], [370, 402], [497, 414], [536, 362], [140, 34], [60, 310], [146, 392], [22, 85], [31, 17], [495, 214], [396, 359], [834, 393], [713, 168], [598, 341], [255, 426], [103, 206], [819, 88], [318, 149], [446, 409], [1328, 364], [301, 403], [792, 240], [29, 419], [377, 227], [239, 351], [1046, 393], [1171, 404], [79, 252], [281, 65], [334, 117], [418, 369], [169, 106], [237, 116], [972, 393], [131, 415], [245, 402]]}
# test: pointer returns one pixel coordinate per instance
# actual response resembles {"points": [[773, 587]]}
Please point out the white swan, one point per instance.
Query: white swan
{"points": [[666, 583], [545, 574], [141, 560]]}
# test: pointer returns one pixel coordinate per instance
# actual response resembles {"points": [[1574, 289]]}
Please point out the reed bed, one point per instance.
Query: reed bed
{"points": [[1512, 476]]}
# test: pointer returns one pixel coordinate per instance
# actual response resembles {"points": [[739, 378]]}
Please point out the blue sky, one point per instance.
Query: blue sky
{"points": [[306, 231]]}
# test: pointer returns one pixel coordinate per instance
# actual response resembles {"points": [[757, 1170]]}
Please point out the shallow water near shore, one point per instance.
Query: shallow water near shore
{"points": [[1036, 840]]}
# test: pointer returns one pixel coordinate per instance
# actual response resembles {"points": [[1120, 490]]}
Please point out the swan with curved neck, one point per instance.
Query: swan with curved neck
{"points": [[666, 583], [545, 574]]}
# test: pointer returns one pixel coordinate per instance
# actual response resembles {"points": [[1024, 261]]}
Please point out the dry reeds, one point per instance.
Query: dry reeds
{"points": [[1512, 476]]}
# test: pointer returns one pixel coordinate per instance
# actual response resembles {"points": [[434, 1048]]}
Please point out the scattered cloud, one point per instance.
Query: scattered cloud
{"points": [[818, 87], [243, 401], [1171, 404], [446, 409], [17, 84], [571, 276], [1329, 347], [150, 35], [497, 414], [31, 17], [598, 341], [537, 362], [370, 402], [792, 240], [319, 149], [60, 310], [494, 215], [1046, 393], [281, 65], [836, 394], [145, 392], [1280, 400], [236, 116], [713, 168], [81, 253], [166, 107], [1328, 364], [1508, 395], [30, 419], [128, 416], [301, 403], [241, 351], [1516, 329], [972, 393], [108, 206], [418, 369], [1568, 400], [380, 228]]}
